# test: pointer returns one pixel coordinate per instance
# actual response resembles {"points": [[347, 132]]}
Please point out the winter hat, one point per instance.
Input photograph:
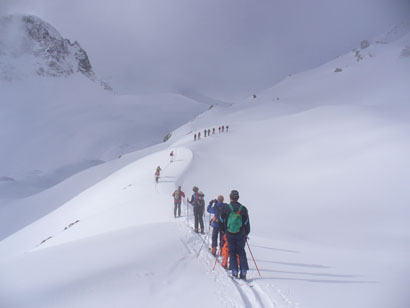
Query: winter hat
{"points": [[234, 195], [195, 189]]}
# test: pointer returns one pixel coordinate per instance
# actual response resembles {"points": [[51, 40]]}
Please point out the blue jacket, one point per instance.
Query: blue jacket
{"points": [[215, 208]]}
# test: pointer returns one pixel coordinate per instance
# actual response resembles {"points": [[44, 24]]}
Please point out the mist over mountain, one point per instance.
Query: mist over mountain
{"points": [[227, 49]]}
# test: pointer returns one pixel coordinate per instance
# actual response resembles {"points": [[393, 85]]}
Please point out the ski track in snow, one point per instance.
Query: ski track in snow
{"points": [[251, 293]]}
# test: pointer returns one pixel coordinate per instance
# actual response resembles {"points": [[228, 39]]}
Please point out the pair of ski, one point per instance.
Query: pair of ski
{"points": [[238, 281]]}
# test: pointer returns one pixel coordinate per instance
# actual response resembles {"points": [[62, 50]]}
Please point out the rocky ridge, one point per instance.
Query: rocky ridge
{"points": [[30, 46]]}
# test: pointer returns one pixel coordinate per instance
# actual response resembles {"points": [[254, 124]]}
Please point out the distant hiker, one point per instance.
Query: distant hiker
{"points": [[209, 132], [227, 127], [178, 195], [194, 137], [172, 156], [205, 132], [215, 207], [223, 128], [213, 130], [254, 96], [199, 135], [219, 128], [236, 225], [157, 173], [198, 202]]}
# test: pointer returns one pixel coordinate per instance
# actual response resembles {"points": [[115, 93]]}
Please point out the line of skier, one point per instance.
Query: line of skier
{"points": [[230, 223], [207, 132]]}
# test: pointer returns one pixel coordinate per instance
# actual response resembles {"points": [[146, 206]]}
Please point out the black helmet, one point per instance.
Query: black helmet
{"points": [[234, 194], [195, 189]]}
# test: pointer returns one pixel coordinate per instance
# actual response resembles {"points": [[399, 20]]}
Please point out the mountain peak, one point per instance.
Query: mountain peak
{"points": [[30, 46]]}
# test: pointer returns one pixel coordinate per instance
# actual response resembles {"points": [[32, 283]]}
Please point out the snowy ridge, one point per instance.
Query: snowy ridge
{"points": [[320, 161], [30, 46]]}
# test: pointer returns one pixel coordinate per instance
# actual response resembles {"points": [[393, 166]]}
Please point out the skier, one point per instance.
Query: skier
{"points": [[157, 173], [215, 207], [199, 135], [227, 127], [197, 201], [194, 137], [219, 128], [172, 156], [178, 195], [236, 225], [204, 132], [213, 131], [209, 131], [223, 128]]}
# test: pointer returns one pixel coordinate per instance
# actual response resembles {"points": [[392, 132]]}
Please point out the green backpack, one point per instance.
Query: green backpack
{"points": [[234, 223]]}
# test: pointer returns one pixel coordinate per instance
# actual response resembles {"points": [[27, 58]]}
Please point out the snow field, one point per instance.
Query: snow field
{"points": [[323, 172]]}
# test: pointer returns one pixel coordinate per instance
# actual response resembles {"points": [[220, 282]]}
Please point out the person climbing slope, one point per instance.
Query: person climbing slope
{"points": [[172, 154], [236, 225], [157, 173], [178, 195], [215, 207], [198, 203]]}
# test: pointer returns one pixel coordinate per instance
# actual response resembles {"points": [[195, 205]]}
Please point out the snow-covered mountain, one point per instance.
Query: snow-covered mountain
{"points": [[321, 162], [30, 46], [57, 119]]}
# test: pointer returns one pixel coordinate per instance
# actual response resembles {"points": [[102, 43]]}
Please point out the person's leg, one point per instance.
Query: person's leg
{"points": [[215, 232], [179, 208], [232, 246], [221, 235], [196, 218], [175, 209], [225, 253], [201, 220], [243, 262]]}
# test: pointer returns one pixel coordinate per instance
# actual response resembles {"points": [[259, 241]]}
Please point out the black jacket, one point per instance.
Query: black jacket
{"points": [[226, 211]]}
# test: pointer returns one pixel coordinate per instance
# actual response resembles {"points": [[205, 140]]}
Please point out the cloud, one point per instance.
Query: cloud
{"points": [[222, 47]]}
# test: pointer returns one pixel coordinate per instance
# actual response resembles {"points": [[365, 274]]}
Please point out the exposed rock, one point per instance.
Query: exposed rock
{"points": [[358, 56], [338, 70], [32, 46], [405, 53], [364, 44], [166, 138], [6, 179]]}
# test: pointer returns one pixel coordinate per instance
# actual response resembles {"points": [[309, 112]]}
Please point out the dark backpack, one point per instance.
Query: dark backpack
{"points": [[234, 222], [200, 199]]}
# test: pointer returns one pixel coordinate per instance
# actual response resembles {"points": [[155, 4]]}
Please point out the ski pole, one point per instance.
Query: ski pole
{"points": [[216, 259], [203, 242], [253, 259], [209, 226], [187, 219]]}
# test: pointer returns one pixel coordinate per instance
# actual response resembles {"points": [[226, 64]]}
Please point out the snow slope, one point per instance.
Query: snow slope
{"points": [[70, 122], [321, 162]]}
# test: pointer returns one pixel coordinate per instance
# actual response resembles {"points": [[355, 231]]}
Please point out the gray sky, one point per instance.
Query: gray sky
{"points": [[225, 48]]}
